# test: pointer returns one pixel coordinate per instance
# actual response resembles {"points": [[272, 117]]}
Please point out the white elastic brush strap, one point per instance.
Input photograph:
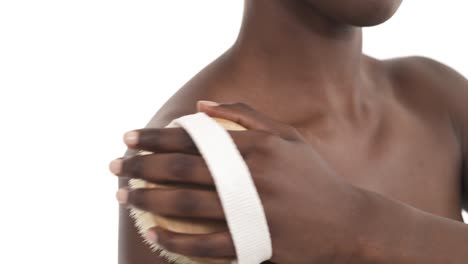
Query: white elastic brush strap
{"points": [[241, 204]]}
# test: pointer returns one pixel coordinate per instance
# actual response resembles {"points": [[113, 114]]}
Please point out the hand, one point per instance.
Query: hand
{"points": [[312, 214]]}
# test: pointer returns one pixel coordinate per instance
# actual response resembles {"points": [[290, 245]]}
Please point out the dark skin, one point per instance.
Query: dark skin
{"points": [[375, 152]]}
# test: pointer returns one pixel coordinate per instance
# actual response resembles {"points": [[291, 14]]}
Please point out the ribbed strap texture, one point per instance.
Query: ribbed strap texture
{"points": [[241, 203]]}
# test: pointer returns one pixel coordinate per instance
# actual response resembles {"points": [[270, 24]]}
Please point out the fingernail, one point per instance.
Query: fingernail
{"points": [[208, 103], [151, 236], [131, 138], [122, 195], [116, 166]]}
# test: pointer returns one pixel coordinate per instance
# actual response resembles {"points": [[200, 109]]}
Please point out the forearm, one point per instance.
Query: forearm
{"points": [[392, 232]]}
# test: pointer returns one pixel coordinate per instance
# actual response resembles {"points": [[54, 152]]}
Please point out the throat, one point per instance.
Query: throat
{"points": [[288, 41], [303, 92], [285, 51]]}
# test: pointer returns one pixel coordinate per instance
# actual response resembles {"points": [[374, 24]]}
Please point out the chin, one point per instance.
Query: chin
{"points": [[362, 13], [374, 13]]}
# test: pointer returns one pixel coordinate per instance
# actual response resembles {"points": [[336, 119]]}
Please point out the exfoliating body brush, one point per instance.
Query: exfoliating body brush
{"points": [[145, 220]]}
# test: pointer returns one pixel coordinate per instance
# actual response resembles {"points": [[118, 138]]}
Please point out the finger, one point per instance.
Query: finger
{"points": [[170, 139], [185, 203], [164, 168], [250, 118], [213, 245], [166, 140]]}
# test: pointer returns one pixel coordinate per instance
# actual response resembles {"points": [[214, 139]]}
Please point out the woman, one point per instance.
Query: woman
{"points": [[360, 160]]}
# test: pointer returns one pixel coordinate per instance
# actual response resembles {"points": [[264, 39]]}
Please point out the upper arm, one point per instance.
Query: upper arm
{"points": [[131, 248], [455, 85], [451, 90]]}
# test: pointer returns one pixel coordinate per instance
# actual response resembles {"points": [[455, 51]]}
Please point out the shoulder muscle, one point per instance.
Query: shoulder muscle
{"points": [[447, 90]]}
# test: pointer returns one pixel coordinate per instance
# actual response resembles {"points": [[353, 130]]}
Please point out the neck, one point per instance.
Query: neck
{"points": [[286, 44]]}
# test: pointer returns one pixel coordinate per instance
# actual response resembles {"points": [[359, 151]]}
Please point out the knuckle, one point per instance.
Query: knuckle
{"points": [[240, 106], [293, 133], [185, 202], [150, 137], [267, 142], [186, 141], [170, 243], [133, 166], [286, 132], [136, 198], [180, 166], [205, 248], [258, 143], [262, 181]]}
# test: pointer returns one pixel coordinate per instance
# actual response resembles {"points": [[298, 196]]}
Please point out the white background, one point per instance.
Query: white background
{"points": [[75, 75]]}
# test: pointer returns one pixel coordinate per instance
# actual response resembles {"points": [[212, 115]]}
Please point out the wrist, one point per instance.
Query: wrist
{"points": [[385, 228], [389, 231], [358, 233]]}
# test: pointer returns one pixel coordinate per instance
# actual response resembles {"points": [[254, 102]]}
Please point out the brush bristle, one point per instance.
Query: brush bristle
{"points": [[144, 220]]}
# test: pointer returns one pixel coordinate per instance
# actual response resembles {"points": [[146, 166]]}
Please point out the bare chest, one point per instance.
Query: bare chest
{"points": [[404, 157]]}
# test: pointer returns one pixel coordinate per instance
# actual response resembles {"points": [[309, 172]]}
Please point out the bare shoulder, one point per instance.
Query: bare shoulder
{"points": [[431, 79], [432, 87], [438, 88], [208, 84]]}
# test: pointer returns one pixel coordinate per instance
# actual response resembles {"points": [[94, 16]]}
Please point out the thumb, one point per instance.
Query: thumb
{"points": [[248, 117]]}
